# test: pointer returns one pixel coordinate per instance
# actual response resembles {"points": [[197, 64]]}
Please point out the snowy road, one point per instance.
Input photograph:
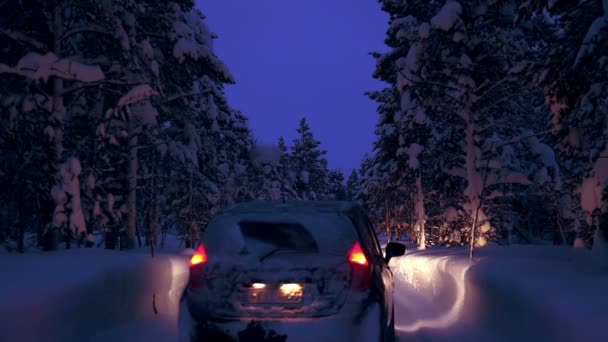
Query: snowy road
{"points": [[515, 293], [418, 318], [411, 308]]}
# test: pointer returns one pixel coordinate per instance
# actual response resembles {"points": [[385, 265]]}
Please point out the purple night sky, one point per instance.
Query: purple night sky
{"points": [[303, 58]]}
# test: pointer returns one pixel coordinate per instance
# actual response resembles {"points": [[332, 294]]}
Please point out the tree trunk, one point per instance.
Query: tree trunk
{"points": [[21, 225], [58, 103], [475, 183], [420, 213], [110, 238], [94, 152], [190, 230], [153, 224], [68, 214], [473, 228], [55, 25], [386, 221], [600, 236], [132, 176], [138, 234], [147, 216], [557, 214]]}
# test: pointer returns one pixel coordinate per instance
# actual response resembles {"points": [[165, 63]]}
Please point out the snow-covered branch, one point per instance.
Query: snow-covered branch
{"points": [[456, 172], [491, 88], [426, 82], [160, 143], [511, 178], [20, 37], [77, 87], [42, 67], [498, 123], [137, 94], [499, 194], [514, 140], [181, 96], [93, 28]]}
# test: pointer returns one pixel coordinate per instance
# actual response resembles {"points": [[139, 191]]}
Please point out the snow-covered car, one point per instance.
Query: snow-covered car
{"points": [[295, 271]]}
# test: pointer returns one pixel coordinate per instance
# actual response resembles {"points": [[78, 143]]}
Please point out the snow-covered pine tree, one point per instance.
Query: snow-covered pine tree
{"points": [[41, 38], [452, 65], [27, 156], [287, 172], [404, 149], [309, 165], [126, 119], [208, 142], [573, 75], [97, 77], [478, 52], [235, 148], [371, 193], [353, 186], [337, 189], [386, 181], [267, 181]]}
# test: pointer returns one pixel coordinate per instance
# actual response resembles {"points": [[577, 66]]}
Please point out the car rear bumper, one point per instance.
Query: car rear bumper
{"points": [[356, 321]]}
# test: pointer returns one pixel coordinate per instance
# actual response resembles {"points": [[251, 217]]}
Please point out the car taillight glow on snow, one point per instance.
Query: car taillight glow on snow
{"points": [[357, 256], [199, 257]]}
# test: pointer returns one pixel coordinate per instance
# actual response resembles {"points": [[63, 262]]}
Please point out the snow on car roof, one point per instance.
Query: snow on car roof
{"points": [[290, 206]]}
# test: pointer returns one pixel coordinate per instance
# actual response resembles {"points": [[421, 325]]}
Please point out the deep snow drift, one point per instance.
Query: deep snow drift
{"points": [[90, 294], [507, 293]]}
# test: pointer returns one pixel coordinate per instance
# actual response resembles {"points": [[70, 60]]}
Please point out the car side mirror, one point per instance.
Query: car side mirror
{"points": [[393, 249]]}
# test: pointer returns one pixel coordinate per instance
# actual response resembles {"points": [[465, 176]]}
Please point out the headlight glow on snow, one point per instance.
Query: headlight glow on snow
{"points": [[427, 274]]}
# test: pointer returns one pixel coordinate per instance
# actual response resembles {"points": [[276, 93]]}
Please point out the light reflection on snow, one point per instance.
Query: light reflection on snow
{"points": [[179, 277], [430, 276]]}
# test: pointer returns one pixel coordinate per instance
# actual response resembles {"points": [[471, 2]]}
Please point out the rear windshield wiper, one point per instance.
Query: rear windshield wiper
{"points": [[291, 250], [271, 253]]}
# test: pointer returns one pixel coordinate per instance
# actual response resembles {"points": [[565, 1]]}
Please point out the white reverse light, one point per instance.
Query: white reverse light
{"points": [[291, 290]]}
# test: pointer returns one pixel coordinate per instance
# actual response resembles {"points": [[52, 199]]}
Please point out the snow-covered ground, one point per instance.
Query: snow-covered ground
{"points": [[90, 294], [508, 293]]}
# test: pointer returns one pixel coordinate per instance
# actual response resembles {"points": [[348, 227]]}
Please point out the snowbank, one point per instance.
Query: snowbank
{"points": [[507, 293], [88, 294]]}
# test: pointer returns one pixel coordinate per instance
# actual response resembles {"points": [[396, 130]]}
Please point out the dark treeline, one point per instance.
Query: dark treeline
{"points": [[113, 122], [494, 123]]}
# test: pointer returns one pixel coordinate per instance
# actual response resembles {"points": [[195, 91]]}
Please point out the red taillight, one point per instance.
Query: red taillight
{"points": [[361, 269], [196, 270], [357, 256], [199, 257]]}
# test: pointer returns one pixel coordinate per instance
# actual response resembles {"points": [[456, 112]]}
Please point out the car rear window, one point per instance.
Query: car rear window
{"points": [[325, 233], [277, 235]]}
